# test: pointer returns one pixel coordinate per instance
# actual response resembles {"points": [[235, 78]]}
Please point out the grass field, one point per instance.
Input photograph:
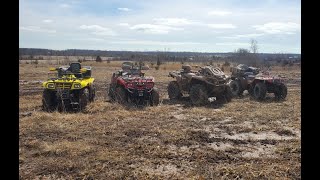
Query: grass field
{"points": [[243, 139]]}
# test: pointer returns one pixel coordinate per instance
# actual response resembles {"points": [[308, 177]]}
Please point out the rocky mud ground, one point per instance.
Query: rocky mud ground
{"points": [[243, 139]]}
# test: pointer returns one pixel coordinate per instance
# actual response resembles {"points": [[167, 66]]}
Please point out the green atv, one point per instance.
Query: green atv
{"points": [[68, 88]]}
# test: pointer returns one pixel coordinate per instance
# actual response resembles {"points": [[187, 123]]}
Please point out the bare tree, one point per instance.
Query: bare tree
{"points": [[254, 46]]}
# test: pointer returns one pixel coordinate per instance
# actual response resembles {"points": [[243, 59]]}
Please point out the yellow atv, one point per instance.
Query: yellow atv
{"points": [[68, 88]]}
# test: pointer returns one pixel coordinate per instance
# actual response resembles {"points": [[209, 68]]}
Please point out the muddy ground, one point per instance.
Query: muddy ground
{"points": [[243, 139]]}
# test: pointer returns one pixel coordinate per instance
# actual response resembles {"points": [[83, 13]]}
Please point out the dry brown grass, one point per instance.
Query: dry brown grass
{"points": [[243, 139]]}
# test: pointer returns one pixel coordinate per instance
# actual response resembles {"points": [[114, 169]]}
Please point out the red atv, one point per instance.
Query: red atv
{"points": [[257, 83], [130, 85]]}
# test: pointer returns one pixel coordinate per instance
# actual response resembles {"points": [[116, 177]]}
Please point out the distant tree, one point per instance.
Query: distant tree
{"points": [[243, 56], [98, 59], [242, 52], [254, 46], [158, 61], [285, 62]]}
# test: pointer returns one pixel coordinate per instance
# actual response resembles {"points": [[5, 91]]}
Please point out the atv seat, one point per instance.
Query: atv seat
{"points": [[189, 75], [75, 69]]}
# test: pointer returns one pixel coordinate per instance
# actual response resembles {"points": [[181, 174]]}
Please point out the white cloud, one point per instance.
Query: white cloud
{"points": [[36, 29], [65, 5], [173, 21], [124, 9], [124, 24], [91, 39], [98, 30], [232, 44], [243, 36], [154, 28], [278, 28], [221, 26], [218, 13], [47, 21], [161, 43]]}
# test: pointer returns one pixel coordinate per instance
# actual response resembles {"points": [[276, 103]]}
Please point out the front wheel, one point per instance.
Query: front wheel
{"points": [[83, 98], [260, 91], [236, 88], [228, 94], [92, 93], [48, 100], [198, 94], [154, 101], [120, 95], [174, 90]]}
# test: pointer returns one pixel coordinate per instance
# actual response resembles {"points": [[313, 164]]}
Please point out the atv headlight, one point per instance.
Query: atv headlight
{"points": [[77, 86], [50, 86]]}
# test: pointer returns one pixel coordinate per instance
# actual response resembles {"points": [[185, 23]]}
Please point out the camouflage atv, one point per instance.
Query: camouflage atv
{"points": [[130, 85], [68, 88], [202, 86], [256, 83]]}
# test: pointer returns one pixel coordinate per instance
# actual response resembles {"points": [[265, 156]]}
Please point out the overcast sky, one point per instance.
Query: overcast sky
{"points": [[163, 25]]}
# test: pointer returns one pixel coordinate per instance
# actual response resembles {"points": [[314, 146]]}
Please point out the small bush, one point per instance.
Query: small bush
{"points": [[98, 59]]}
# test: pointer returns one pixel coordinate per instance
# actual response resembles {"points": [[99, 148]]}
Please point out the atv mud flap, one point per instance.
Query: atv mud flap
{"points": [[140, 97], [63, 94]]}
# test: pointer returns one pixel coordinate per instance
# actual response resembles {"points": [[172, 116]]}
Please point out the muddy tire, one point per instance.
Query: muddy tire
{"points": [[174, 90], [111, 93], [155, 99], [120, 95], [83, 98], [48, 101], [250, 90], [260, 91], [236, 88], [92, 93], [228, 94], [198, 95], [281, 92]]}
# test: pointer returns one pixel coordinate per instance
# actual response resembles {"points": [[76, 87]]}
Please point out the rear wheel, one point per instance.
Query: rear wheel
{"points": [[48, 101], [154, 101], [260, 91], [83, 98], [236, 88], [281, 92], [174, 90], [120, 95], [198, 94]]}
